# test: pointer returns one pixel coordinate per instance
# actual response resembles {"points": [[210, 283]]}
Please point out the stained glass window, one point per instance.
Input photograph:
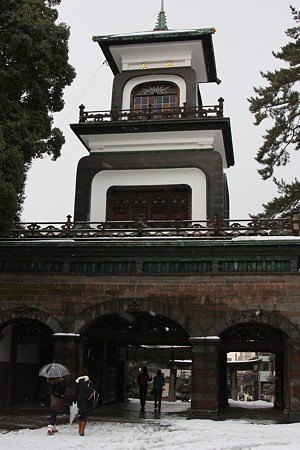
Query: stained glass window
{"points": [[159, 96]]}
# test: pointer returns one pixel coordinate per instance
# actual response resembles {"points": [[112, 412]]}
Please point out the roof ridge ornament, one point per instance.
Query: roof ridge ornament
{"points": [[161, 23]]}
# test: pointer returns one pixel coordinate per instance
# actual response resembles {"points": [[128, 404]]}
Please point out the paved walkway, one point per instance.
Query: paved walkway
{"points": [[12, 418], [25, 417], [130, 411]]}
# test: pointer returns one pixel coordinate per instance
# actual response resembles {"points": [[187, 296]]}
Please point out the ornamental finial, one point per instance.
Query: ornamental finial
{"points": [[161, 23]]}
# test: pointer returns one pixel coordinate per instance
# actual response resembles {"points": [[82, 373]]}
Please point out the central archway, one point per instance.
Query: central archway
{"points": [[113, 341], [136, 328]]}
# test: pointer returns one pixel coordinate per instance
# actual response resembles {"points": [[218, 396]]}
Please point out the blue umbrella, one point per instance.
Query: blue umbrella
{"points": [[54, 370]]}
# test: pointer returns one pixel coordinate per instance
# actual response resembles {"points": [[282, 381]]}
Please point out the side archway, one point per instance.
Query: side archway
{"points": [[25, 346], [39, 315], [271, 318], [263, 338]]}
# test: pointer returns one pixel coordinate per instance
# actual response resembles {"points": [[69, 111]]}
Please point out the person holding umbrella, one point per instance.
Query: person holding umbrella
{"points": [[54, 374], [57, 391]]}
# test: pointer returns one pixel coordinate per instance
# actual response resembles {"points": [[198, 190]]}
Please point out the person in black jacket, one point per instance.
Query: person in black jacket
{"points": [[82, 395], [158, 384], [57, 391]]}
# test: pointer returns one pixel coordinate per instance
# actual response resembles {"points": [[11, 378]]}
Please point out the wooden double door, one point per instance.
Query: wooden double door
{"points": [[167, 202]]}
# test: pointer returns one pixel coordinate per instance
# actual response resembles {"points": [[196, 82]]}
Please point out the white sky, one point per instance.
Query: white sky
{"points": [[169, 432], [247, 32]]}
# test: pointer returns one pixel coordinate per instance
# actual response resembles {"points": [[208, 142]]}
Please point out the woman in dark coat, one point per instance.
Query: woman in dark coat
{"points": [[57, 391], [82, 394], [158, 384]]}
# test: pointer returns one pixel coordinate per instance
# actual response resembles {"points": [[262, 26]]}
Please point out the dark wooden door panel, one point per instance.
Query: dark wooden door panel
{"points": [[170, 202]]}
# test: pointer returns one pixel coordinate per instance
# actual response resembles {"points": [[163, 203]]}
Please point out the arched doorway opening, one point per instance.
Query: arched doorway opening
{"points": [[114, 341], [25, 346], [252, 364]]}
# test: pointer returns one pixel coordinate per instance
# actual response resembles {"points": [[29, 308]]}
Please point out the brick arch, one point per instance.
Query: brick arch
{"points": [[272, 318], [10, 315], [142, 305]]}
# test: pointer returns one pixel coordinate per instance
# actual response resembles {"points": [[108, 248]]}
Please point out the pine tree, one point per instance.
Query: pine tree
{"points": [[279, 102], [34, 71]]}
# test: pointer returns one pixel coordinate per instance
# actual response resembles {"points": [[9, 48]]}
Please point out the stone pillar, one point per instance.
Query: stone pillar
{"points": [[172, 384], [223, 379], [293, 380], [205, 379], [233, 385], [69, 351], [12, 365], [279, 381]]}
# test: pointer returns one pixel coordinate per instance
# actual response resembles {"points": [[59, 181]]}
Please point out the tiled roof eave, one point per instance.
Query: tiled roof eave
{"points": [[152, 36]]}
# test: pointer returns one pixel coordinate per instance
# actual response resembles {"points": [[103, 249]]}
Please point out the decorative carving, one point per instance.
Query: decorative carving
{"points": [[134, 305], [162, 355], [139, 266]]}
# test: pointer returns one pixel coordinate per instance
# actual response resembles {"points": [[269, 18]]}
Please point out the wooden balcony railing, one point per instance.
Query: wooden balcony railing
{"points": [[216, 229], [184, 112]]}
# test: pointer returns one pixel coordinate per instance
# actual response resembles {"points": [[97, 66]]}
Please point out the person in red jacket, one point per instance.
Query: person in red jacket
{"points": [[143, 379]]}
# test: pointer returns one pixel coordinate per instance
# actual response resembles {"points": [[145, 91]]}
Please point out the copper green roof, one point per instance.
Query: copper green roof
{"points": [[161, 23]]}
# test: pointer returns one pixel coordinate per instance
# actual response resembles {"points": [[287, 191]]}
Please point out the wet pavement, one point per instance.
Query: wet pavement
{"points": [[13, 418], [36, 417], [130, 411]]}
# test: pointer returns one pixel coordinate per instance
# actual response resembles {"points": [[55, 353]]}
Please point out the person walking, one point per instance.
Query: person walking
{"points": [[143, 379], [82, 393], [57, 391], [158, 384]]}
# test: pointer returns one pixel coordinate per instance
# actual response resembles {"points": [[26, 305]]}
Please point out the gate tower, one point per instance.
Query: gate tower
{"points": [[159, 153]]}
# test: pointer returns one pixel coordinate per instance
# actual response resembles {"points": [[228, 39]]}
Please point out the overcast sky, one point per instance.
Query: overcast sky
{"points": [[247, 32]]}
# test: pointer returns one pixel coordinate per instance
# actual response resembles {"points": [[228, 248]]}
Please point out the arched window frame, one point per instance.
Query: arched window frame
{"points": [[159, 95], [134, 82]]}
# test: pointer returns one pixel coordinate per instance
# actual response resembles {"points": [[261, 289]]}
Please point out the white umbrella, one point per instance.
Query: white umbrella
{"points": [[73, 412], [54, 370]]}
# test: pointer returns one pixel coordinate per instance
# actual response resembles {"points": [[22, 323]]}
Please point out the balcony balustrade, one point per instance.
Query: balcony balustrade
{"points": [[151, 113], [184, 229]]}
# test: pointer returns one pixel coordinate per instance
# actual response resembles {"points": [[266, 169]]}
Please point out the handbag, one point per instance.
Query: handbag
{"points": [[57, 404]]}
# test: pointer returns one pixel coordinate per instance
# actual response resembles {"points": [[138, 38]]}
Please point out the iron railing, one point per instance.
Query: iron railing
{"points": [[215, 229], [184, 112]]}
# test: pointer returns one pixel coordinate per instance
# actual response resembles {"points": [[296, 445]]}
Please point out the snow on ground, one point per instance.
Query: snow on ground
{"points": [[161, 433]]}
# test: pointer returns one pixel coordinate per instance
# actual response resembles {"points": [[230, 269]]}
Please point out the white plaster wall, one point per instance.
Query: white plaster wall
{"points": [[193, 177], [159, 55]]}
